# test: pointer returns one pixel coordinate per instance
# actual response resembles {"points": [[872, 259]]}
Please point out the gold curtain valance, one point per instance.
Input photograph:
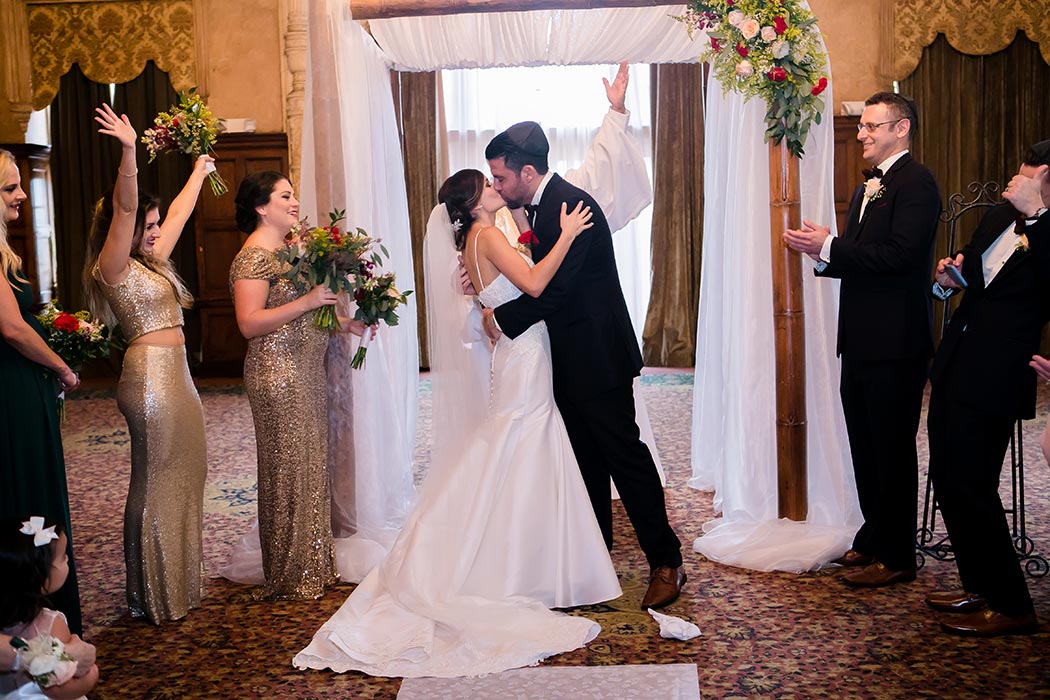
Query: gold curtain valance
{"points": [[111, 41], [975, 27]]}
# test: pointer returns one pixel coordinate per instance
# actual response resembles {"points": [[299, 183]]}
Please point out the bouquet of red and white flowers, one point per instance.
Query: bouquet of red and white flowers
{"points": [[190, 128], [326, 255], [74, 337], [377, 300]]}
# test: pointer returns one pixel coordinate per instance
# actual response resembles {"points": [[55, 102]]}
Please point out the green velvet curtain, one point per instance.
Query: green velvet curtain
{"points": [[669, 338]]}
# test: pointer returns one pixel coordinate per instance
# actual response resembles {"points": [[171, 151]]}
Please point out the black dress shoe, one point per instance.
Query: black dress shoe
{"points": [[665, 583], [877, 576], [988, 623], [854, 558], [956, 601]]}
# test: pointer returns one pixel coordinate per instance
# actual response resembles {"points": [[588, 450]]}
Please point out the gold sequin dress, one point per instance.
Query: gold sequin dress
{"points": [[169, 462], [285, 379]]}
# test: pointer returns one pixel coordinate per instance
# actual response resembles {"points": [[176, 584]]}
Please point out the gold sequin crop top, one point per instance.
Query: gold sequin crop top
{"points": [[144, 302]]}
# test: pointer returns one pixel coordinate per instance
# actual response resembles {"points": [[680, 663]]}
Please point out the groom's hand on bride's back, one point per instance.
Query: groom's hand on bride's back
{"points": [[488, 322]]}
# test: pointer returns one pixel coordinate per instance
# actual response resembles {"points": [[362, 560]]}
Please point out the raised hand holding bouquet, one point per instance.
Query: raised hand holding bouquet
{"points": [[377, 300], [326, 256], [189, 127]]}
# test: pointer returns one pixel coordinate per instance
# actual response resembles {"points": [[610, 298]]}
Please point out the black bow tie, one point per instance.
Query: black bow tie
{"points": [[530, 212], [874, 172]]}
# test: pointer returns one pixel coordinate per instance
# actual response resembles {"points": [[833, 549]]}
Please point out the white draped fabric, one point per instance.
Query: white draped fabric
{"points": [[545, 37], [733, 438]]}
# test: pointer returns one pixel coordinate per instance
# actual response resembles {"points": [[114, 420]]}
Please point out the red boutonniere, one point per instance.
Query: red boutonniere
{"points": [[526, 240]]}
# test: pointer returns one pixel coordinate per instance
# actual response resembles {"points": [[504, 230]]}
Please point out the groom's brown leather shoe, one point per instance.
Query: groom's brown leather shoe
{"points": [[877, 576], [988, 623], [956, 601], [854, 558], [665, 583]]}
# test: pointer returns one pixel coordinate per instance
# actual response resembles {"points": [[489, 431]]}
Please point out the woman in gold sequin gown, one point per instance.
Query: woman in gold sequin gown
{"points": [[284, 375], [130, 280]]}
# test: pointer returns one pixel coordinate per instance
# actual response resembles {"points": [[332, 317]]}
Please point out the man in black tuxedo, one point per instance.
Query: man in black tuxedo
{"points": [[885, 336], [594, 352], [983, 381]]}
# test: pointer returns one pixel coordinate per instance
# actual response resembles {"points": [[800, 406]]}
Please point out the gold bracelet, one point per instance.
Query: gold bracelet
{"points": [[123, 174]]}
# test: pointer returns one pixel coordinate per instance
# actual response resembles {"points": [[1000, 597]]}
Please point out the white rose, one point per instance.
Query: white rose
{"points": [[749, 28], [769, 34], [781, 49], [42, 665], [872, 188], [744, 69], [735, 18]]}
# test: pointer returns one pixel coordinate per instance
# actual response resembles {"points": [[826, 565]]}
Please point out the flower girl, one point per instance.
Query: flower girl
{"points": [[35, 563]]}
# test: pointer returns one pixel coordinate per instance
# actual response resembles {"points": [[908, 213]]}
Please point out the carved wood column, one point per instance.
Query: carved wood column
{"points": [[15, 69], [295, 47], [785, 211]]}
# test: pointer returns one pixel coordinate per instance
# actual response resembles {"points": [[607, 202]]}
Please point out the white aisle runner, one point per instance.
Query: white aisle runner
{"points": [[641, 682]]}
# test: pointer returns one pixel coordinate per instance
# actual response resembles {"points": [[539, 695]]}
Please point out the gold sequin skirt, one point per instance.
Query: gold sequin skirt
{"points": [[286, 389], [165, 508]]}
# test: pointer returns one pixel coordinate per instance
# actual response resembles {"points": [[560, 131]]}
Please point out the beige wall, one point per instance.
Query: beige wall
{"points": [[853, 34], [244, 69]]}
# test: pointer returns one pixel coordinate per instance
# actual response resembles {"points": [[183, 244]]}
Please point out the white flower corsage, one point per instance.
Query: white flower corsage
{"points": [[44, 659], [873, 188]]}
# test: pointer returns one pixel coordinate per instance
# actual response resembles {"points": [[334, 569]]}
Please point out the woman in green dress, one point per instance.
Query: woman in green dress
{"points": [[32, 470]]}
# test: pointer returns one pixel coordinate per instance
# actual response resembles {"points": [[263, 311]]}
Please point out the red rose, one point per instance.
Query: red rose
{"points": [[730, 2], [780, 25], [715, 45], [741, 49], [819, 87], [335, 230], [359, 294], [67, 322], [528, 238], [777, 75]]}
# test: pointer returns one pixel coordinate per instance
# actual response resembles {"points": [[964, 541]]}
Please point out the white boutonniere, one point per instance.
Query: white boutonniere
{"points": [[873, 188]]}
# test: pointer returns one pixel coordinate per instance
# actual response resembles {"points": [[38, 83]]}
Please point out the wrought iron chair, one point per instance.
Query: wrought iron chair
{"points": [[929, 542]]}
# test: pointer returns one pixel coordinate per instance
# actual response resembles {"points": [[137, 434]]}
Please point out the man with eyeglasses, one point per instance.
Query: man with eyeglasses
{"points": [[983, 381], [885, 333]]}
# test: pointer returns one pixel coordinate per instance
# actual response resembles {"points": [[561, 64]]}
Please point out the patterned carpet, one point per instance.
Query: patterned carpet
{"points": [[764, 635]]}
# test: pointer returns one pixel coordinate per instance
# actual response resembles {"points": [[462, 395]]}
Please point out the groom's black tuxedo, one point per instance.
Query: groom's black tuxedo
{"points": [[885, 340], [982, 383], [595, 358]]}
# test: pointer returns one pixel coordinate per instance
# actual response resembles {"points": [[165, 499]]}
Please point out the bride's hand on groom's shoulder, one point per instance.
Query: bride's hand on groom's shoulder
{"points": [[577, 221], [464, 278]]}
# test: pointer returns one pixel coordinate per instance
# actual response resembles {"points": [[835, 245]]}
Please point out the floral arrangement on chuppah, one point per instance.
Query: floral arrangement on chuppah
{"points": [[769, 49]]}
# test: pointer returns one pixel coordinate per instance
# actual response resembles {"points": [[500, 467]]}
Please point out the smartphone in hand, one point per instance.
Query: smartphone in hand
{"points": [[954, 275]]}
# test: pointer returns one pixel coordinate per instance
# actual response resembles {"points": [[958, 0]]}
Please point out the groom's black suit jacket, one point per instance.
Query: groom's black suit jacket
{"points": [[593, 346]]}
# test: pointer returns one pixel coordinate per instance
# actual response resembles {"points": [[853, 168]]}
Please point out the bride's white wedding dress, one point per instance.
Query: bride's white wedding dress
{"points": [[503, 530]]}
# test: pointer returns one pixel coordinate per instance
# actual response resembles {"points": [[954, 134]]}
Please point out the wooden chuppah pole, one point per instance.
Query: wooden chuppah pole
{"points": [[785, 211], [385, 9]]}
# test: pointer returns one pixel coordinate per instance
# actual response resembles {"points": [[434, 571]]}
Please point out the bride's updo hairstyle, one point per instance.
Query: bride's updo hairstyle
{"points": [[255, 191], [460, 194]]}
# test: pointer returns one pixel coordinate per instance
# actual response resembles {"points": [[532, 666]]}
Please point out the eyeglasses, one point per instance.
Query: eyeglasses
{"points": [[872, 128]]}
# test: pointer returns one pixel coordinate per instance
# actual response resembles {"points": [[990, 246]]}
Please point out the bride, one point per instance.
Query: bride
{"points": [[503, 529]]}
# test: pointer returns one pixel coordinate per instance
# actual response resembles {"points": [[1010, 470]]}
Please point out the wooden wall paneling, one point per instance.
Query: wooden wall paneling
{"points": [[222, 348], [849, 162]]}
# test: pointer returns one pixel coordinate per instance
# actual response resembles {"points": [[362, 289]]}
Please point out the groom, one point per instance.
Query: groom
{"points": [[593, 350]]}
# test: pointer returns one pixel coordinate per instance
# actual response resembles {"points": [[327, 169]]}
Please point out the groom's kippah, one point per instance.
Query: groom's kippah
{"points": [[529, 137], [1038, 154]]}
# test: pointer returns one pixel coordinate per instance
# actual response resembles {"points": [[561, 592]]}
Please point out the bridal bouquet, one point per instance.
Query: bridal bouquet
{"points": [[769, 49], [189, 127], [377, 300], [44, 659], [326, 255], [74, 336]]}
